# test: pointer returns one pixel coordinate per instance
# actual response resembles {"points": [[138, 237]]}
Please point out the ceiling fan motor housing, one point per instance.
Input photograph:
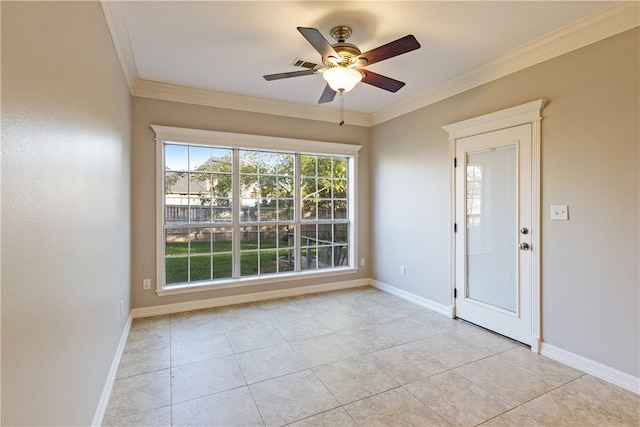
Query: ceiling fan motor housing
{"points": [[348, 55], [347, 51]]}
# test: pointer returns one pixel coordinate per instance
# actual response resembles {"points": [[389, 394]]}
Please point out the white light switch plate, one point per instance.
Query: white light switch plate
{"points": [[559, 212]]}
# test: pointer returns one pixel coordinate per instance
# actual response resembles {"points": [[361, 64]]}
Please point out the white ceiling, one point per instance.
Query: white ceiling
{"points": [[226, 46]]}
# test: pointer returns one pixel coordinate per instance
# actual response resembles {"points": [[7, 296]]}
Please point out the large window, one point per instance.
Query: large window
{"points": [[240, 209]]}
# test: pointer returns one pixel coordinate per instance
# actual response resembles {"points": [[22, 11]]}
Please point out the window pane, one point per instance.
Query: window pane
{"points": [[202, 211], [325, 234], [249, 244], [268, 210], [200, 183], [285, 187], [308, 257], [222, 239], [268, 237], [325, 257], [268, 186], [285, 210], [339, 167], [176, 270], [176, 200], [249, 186], [177, 242], [200, 267], [308, 244], [248, 238], [324, 166], [176, 157], [221, 160], [308, 165], [308, 188], [340, 209], [286, 236], [309, 209], [340, 188], [200, 158], [286, 163], [248, 161], [269, 163], [221, 210], [268, 261], [222, 266], [221, 185], [341, 233], [249, 263], [324, 209], [341, 257], [170, 182], [249, 210], [200, 241], [286, 243], [199, 197], [324, 188]]}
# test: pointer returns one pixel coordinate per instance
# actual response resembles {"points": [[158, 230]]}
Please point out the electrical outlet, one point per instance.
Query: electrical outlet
{"points": [[379, 263], [402, 270], [559, 212], [146, 284], [121, 308], [361, 262]]}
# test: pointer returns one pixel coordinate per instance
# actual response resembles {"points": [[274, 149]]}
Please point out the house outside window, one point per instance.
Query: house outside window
{"points": [[237, 209]]}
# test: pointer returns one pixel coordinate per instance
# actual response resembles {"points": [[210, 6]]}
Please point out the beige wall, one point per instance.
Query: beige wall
{"points": [[149, 111], [65, 210], [590, 161]]}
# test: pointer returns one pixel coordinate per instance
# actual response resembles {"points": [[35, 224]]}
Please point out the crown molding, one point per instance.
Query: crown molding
{"points": [[616, 19], [121, 40], [211, 98], [611, 21]]}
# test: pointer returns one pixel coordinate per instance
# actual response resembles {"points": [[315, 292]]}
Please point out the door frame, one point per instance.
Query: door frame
{"points": [[529, 113]]}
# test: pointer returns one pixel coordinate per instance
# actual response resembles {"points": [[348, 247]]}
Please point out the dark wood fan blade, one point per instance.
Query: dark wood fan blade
{"points": [[389, 50], [327, 95], [383, 82], [318, 41], [279, 76]]}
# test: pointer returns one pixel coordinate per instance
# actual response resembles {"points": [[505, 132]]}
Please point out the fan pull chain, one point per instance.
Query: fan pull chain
{"points": [[341, 107]]}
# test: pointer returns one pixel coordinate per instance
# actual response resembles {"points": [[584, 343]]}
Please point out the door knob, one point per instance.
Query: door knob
{"points": [[524, 246]]}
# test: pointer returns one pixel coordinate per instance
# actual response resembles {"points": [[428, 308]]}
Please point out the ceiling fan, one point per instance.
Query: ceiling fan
{"points": [[342, 62]]}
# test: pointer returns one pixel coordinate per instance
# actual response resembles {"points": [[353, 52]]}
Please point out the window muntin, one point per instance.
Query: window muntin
{"points": [[230, 213]]}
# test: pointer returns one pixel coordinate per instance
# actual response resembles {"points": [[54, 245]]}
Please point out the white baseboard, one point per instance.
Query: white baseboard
{"points": [[246, 298], [592, 367], [108, 386], [421, 301]]}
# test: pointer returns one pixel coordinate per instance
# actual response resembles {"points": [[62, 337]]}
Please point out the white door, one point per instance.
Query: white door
{"points": [[493, 239]]}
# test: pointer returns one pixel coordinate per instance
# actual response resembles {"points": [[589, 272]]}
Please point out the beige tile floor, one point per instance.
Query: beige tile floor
{"points": [[358, 357]]}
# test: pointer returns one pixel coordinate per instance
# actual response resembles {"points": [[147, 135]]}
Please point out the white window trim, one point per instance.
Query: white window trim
{"points": [[253, 142]]}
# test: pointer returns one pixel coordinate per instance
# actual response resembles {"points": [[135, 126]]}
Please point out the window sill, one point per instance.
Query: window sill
{"points": [[253, 281]]}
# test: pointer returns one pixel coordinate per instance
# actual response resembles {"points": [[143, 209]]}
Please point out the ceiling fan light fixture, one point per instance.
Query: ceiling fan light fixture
{"points": [[342, 79]]}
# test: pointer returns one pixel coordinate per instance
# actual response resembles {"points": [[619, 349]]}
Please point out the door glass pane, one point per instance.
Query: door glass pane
{"points": [[492, 231]]}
